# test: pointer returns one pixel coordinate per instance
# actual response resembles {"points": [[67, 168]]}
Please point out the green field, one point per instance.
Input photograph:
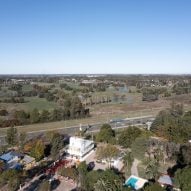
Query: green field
{"points": [[30, 104], [132, 106]]}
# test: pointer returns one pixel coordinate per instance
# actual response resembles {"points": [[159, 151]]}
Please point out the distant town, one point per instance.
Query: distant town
{"points": [[95, 132]]}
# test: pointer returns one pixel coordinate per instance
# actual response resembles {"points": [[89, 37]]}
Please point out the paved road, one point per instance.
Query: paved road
{"points": [[115, 124]]}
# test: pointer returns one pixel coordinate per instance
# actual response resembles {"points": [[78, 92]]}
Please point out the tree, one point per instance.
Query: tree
{"points": [[22, 116], [3, 112], [82, 169], [106, 134], [12, 178], [45, 186], [56, 145], [139, 147], [22, 140], [37, 150], [14, 183], [128, 135], [108, 181], [12, 136], [152, 169], [69, 172], [128, 162], [173, 125], [44, 117], [107, 152], [154, 187], [184, 155], [182, 178], [34, 116]]}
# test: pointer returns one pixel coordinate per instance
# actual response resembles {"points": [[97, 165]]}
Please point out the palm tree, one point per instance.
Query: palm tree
{"points": [[107, 185], [152, 169]]}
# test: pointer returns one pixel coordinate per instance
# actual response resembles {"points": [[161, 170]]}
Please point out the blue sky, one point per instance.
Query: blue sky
{"points": [[95, 36]]}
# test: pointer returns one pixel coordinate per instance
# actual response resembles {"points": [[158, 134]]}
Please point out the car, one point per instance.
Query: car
{"points": [[43, 177], [91, 166]]}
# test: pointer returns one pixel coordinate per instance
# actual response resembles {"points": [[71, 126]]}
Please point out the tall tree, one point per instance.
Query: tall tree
{"points": [[108, 181], [34, 116], [154, 187], [37, 150], [56, 145], [127, 136], [82, 169], [152, 169], [12, 136], [128, 162], [22, 140], [184, 155], [182, 178], [106, 134], [44, 116], [107, 152]]}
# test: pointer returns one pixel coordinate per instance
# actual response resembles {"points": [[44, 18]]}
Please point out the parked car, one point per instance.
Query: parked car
{"points": [[91, 166]]}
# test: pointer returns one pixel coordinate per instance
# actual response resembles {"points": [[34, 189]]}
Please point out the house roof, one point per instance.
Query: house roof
{"points": [[165, 180], [79, 142], [9, 156], [27, 159]]}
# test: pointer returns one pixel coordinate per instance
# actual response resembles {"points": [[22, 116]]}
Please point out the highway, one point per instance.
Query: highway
{"points": [[115, 124]]}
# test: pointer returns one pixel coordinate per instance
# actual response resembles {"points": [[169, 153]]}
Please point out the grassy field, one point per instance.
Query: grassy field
{"points": [[39, 103], [132, 106], [30, 104]]}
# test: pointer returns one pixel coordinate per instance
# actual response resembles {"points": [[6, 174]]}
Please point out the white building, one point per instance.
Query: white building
{"points": [[79, 147]]}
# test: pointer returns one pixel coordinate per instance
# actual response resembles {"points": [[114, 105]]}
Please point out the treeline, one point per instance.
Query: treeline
{"points": [[72, 109], [173, 124], [182, 88], [97, 87], [152, 94]]}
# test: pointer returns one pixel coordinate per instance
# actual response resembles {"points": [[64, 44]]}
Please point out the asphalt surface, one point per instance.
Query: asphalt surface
{"points": [[115, 124]]}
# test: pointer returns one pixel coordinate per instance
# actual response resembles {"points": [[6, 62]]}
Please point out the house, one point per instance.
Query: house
{"points": [[79, 147], [12, 159], [165, 180], [10, 156], [135, 182], [28, 162]]}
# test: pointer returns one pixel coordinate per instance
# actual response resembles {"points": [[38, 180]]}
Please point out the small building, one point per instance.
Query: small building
{"points": [[79, 147], [135, 182], [11, 160], [10, 156], [28, 162], [165, 180]]}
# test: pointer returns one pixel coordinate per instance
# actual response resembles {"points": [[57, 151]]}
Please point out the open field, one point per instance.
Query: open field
{"points": [[102, 117], [30, 104], [131, 106], [102, 113]]}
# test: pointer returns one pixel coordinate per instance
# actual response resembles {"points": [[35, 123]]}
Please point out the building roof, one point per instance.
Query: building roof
{"points": [[27, 159], [135, 182], [165, 180], [9, 156], [14, 165], [79, 142]]}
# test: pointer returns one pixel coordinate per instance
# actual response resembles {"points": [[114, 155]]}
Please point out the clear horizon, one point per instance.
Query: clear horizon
{"points": [[95, 37]]}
